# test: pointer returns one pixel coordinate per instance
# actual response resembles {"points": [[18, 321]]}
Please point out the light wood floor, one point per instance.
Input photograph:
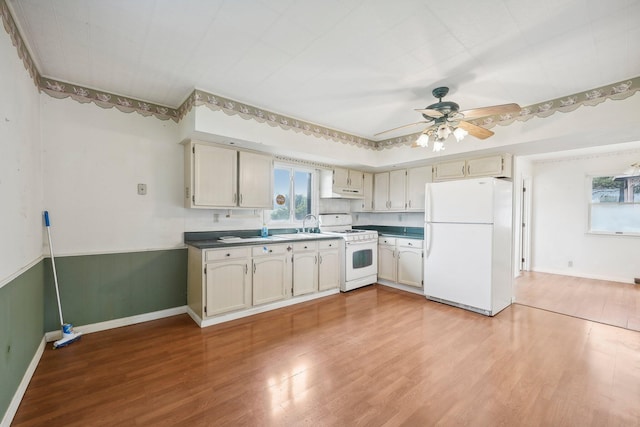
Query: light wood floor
{"points": [[374, 356], [613, 303]]}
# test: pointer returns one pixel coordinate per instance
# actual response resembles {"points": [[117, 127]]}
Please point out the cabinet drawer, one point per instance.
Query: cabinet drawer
{"points": [[387, 241], [228, 253], [329, 244], [411, 243], [305, 246], [270, 250]]}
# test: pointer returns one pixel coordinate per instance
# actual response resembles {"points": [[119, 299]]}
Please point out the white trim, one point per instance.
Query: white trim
{"points": [[22, 270], [260, 309], [117, 323], [120, 251], [400, 286], [584, 275], [22, 388]]}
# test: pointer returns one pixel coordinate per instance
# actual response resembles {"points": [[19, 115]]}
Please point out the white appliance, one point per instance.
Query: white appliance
{"points": [[468, 241], [360, 260]]}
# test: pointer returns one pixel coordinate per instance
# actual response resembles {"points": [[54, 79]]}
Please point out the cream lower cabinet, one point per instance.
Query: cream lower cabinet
{"points": [[410, 262], [387, 265], [329, 264], [400, 260], [272, 273], [218, 280], [305, 268]]}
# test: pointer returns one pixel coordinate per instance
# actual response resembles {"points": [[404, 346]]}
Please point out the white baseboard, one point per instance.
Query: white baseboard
{"points": [[583, 275], [22, 388], [260, 309], [117, 323], [406, 288]]}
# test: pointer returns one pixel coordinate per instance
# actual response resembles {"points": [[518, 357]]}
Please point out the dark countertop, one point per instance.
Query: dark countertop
{"points": [[211, 239], [393, 231]]}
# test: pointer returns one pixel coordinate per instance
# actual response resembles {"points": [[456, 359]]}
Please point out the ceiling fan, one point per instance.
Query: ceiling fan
{"points": [[445, 118]]}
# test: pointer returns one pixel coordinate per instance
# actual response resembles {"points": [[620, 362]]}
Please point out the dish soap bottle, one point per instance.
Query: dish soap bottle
{"points": [[265, 230]]}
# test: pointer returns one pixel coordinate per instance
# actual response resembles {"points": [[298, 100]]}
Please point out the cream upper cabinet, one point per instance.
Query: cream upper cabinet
{"points": [[390, 190], [255, 180], [210, 176], [305, 268], [449, 170], [498, 165], [219, 177], [329, 264], [341, 183], [365, 204], [417, 178]]}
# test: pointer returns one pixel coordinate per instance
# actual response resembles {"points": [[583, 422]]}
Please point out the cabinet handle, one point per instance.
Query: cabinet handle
{"points": [[228, 254], [254, 269], [409, 203], [270, 250], [240, 198], [462, 169], [320, 259], [468, 169], [246, 269], [235, 197], [316, 261]]}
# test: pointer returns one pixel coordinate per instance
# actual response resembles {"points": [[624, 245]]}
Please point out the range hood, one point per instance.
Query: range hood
{"points": [[329, 190]]}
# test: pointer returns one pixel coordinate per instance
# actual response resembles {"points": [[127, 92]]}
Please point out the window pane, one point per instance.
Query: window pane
{"points": [[614, 204], [302, 192], [281, 197]]}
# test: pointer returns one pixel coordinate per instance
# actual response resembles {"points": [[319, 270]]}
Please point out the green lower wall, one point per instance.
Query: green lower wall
{"points": [[97, 288], [21, 329], [93, 288]]}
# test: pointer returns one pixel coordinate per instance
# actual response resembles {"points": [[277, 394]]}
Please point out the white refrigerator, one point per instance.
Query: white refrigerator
{"points": [[468, 244]]}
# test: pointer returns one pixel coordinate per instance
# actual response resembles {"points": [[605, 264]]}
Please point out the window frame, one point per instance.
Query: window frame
{"points": [[291, 222], [590, 205]]}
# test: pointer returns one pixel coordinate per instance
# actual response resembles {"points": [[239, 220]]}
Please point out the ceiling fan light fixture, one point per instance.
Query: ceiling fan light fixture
{"points": [[459, 134], [438, 145], [423, 140], [443, 132]]}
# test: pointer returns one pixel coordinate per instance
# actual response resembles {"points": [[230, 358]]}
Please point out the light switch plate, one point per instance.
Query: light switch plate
{"points": [[142, 189]]}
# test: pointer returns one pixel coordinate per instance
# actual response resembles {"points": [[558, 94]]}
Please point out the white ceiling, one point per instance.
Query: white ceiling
{"points": [[359, 66]]}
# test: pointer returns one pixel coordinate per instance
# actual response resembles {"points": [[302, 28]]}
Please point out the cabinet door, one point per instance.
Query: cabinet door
{"points": [[365, 204], [255, 180], [340, 178], [228, 286], [417, 179], [485, 166], [381, 191], [214, 176], [410, 266], [328, 269], [387, 262], [449, 170], [270, 279], [355, 180], [397, 189], [305, 273]]}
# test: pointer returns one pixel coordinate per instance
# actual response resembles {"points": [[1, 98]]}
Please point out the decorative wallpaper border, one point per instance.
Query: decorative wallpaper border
{"points": [[16, 38], [103, 99]]}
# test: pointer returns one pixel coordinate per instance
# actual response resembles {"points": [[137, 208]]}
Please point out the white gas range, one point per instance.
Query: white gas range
{"points": [[360, 261]]}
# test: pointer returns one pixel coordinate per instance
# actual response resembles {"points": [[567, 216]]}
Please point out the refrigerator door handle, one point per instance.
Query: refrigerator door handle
{"points": [[427, 237], [427, 203]]}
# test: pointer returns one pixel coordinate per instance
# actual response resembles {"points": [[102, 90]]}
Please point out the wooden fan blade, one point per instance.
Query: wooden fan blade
{"points": [[400, 127], [490, 111], [474, 130], [429, 112]]}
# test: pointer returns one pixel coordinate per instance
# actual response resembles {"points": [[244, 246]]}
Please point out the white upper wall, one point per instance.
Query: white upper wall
{"points": [[21, 224], [560, 221], [93, 161]]}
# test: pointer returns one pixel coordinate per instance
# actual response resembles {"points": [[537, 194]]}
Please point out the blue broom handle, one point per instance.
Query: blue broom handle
{"points": [[46, 218]]}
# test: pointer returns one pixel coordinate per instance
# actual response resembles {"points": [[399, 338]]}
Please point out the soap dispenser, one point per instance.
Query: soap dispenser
{"points": [[265, 230]]}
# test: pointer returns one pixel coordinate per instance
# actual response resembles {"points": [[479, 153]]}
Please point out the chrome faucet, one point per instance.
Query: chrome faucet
{"points": [[304, 221]]}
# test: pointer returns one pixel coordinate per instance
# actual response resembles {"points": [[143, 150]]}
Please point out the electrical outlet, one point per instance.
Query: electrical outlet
{"points": [[570, 263], [142, 189], [216, 217]]}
